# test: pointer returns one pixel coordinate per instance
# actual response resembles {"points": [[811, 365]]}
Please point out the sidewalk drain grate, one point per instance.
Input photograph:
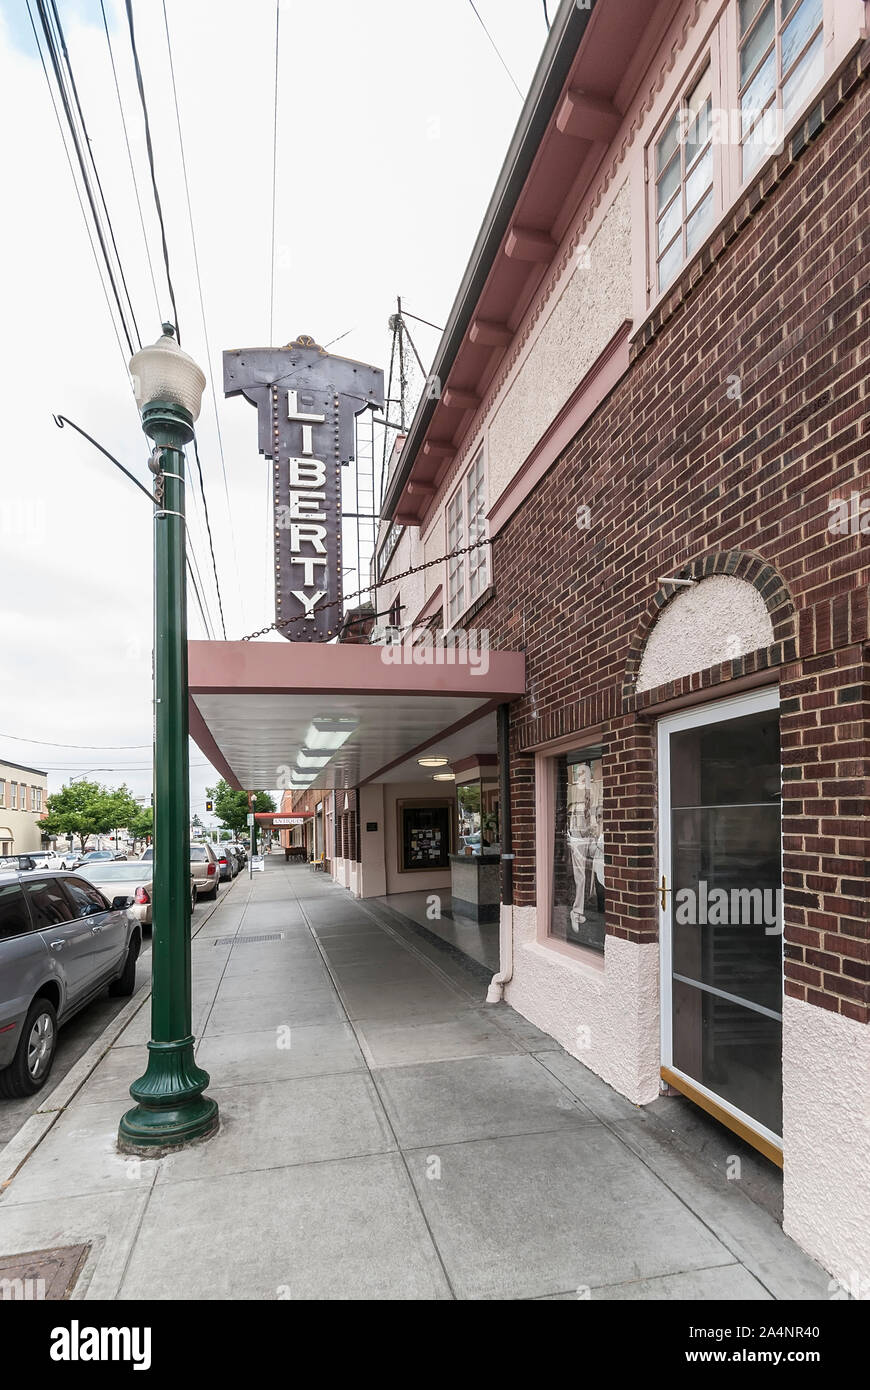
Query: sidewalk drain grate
{"points": [[247, 940], [39, 1275]]}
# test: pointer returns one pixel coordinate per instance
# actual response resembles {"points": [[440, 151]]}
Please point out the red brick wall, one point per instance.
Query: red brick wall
{"points": [[679, 474]]}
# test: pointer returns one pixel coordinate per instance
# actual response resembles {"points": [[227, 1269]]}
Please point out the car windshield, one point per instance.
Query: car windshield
{"points": [[146, 855], [108, 873], [98, 854]]}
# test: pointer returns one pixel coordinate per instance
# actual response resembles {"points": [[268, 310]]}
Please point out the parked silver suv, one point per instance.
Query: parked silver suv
{"points": [[61, 942]]}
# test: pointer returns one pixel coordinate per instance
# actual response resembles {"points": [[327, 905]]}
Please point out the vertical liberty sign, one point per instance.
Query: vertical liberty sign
{"points": [[307, 403]]}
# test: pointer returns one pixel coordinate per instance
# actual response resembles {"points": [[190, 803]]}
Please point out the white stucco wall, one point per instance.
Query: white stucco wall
{"points": [[615, 1009], [434, 546], [718, 618], [586, 309], [411, 590], [826, 1140]]}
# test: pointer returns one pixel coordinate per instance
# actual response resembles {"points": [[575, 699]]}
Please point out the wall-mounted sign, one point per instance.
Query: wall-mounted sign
{"points": [[288, 820], [307, 402]]}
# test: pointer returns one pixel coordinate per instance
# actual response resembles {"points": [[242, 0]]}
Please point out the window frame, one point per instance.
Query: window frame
{"points": [[584, 956], [721, 44], [28, 931], [13, 796], [706, 63], [467, 566]]}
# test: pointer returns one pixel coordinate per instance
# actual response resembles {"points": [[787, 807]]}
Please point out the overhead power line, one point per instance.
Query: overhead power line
{"points": [[495, 47], [204, 325], [274, 173], [100, 265], [87, 169], [130, 159], [150, 148], [85, 747]]}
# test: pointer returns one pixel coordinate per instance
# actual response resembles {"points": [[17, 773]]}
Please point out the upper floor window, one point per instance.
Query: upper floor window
{"points": [[467, 575], [13, 796], [781, 61], [2, 791], [23, 796], [684, 179], [36, 798]]}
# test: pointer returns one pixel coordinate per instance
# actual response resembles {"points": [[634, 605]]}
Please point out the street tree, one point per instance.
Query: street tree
{"points": [[231, 806], [84, 809], [141, 827]]}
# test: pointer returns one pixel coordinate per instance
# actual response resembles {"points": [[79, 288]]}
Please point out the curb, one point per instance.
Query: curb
{"points": [[34, 1129]]}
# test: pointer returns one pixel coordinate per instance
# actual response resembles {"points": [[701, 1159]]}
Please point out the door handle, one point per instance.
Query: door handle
{"points": [[96, 930], [664, 890], [57, 945]]}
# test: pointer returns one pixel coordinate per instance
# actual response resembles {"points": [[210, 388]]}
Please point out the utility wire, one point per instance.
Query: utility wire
{"points": [[205, 334], [81, 115], [150, 148], [85, 747], [130, 160], [210, 538], [54, 57], [60, 421], [274, 173], [101, 269], [492, 41]]}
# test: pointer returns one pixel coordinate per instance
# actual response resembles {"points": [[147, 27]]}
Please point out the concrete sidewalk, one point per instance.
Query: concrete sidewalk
{"points": [[384, 1135]]}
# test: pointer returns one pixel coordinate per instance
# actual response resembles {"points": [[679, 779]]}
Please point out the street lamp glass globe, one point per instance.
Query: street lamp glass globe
{"points": [[163, 372]]}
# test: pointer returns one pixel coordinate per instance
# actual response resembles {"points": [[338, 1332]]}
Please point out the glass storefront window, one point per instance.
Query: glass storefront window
{"points": [[577, 913], [477, 806]]}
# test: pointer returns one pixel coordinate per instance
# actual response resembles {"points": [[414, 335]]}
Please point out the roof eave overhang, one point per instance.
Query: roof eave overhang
{"points": [[538, 111]]}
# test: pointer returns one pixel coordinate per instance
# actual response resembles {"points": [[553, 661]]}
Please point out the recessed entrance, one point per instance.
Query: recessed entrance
{"points": [[721, 912]]}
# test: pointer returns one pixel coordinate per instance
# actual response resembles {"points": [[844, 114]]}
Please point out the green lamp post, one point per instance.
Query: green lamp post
{"points": [[170, 1109]]}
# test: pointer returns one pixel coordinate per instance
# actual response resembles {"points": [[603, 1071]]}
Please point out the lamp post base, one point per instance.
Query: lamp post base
{"points": [[171, 1109]]}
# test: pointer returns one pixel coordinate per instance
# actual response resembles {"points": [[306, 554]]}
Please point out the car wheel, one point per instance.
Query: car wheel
{"points": [[28, 1071], [214, 892], [126, 982], [192, 899]]}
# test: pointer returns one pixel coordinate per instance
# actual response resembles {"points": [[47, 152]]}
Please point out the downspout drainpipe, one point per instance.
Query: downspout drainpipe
{"points": [[495, 993]]}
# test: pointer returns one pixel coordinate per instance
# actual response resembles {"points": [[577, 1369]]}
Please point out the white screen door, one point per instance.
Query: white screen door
{"points": [[720, 867]]}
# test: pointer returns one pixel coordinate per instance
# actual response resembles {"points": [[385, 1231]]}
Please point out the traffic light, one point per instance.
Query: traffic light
{"points": [[209, 805]]}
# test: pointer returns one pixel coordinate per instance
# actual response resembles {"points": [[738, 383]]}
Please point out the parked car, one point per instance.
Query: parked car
{"points": [[203, 868], [62, 941], [17, 863], [226, 862], [240, 852], [132, 879], [205, 871], [93, 855], [64, 858]]}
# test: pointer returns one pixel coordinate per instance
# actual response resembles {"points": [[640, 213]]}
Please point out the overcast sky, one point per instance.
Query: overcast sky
{"points": [[394, 117]]}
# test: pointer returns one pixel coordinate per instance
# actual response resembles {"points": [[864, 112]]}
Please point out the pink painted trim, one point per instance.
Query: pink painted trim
{"points": [[202, 737], [470, 718], [551, 748], [322, 668], [475, 760], [599, 381], [431, 606]]}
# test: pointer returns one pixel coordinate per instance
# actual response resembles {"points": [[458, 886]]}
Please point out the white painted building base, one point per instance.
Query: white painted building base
{"points": [[826, 1141], [605, 1014]]}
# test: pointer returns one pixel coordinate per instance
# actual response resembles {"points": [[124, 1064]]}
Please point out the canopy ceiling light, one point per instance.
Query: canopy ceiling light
{"points": [[444, 777], [310, 758], [329, 733], [433, 760]]}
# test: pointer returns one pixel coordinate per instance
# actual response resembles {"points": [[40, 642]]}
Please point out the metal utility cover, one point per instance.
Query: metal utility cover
{"points": [[42, 1274]]}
